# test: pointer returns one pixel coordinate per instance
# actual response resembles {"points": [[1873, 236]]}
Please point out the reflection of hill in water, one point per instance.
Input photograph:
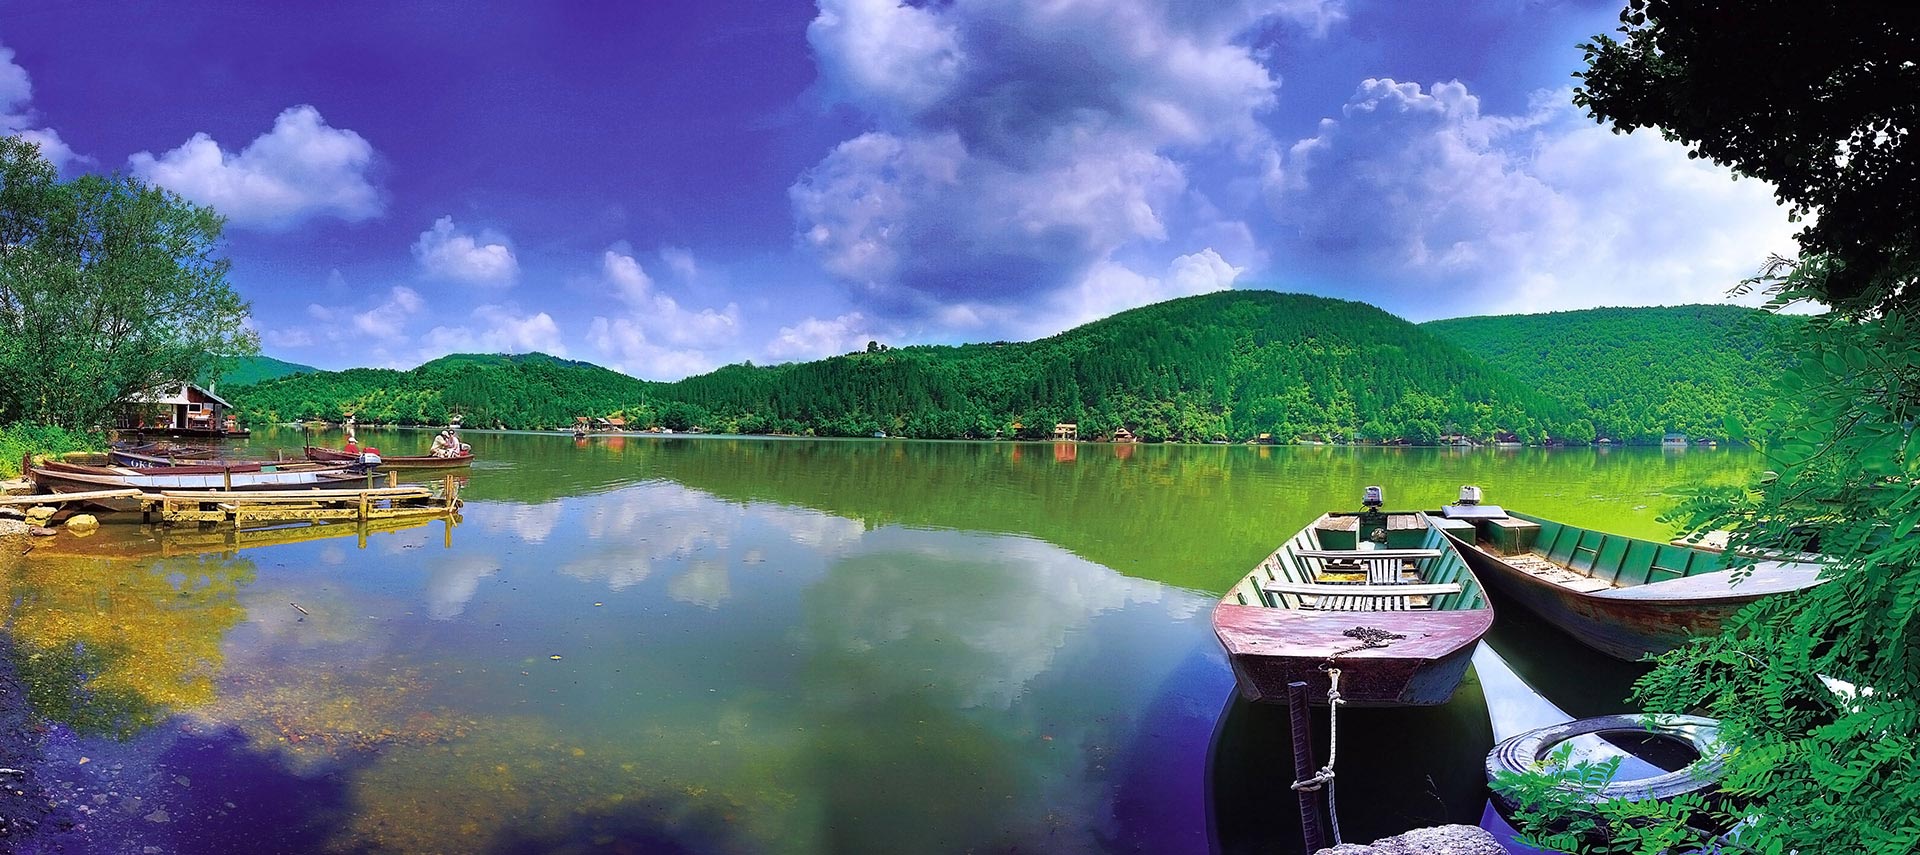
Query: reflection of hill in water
{"points": [[1192, 516]]}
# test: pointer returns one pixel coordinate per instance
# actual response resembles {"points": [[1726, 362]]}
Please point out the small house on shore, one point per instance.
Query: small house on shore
{"points": [[612, 423], [187, 409], [1674, 439], [1066, 432], [1121, 434]]}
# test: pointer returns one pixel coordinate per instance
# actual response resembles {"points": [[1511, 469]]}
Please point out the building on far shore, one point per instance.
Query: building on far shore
{"points": [[1066, 432], [185, 410]]}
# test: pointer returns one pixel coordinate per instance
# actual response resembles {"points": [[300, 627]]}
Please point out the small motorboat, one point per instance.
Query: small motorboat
{"points": [[1622, 596], [74, 478], [369, 457], [1383, 596]]}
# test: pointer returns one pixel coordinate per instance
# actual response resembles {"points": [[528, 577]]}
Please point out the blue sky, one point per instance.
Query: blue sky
{"points": [[665, 187]]}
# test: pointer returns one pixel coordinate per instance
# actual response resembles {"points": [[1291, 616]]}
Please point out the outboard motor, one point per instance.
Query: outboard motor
{"points": [[1469, 495], [1372, 525]]}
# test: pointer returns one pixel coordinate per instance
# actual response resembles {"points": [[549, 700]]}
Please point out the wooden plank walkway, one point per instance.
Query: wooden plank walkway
{"points": [[244, 506], [62, 498]]}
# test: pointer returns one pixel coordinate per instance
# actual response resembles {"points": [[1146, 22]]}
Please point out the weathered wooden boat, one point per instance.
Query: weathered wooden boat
{"points": [[170, 450], [71, 478], [182, 465], [1620, 595], [1385, 597], [191, 432], [420, 461]]}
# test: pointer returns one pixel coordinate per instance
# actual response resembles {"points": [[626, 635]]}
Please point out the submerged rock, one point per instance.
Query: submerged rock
{"points": [[83, 524], [39, 514], [10, 529], [1439, 840]]}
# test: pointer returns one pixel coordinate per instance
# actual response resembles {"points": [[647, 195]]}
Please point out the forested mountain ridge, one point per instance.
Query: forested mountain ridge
{"points": [[1639, 372], [254, 369], [1228, 365], [486, 390]]}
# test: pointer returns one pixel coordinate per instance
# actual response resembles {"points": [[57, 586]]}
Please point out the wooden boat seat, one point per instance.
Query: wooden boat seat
{"points": [[1317, 589], [1357, 554]]}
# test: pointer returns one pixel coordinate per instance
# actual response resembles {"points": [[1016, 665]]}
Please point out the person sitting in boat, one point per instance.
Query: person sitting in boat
{"points": [[448, 444]]}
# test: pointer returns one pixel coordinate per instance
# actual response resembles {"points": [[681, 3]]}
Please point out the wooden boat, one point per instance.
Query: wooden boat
{"points": [[192, 432], [1620, 595], [132, 460], [71, 478], [1383, 596], [170, 450], [421, 461]]}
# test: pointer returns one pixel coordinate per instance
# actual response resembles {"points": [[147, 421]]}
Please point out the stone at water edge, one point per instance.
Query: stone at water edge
{"points": [[10, 529], [39, 514], [83, 524], [16, 487], [1439, 840]]}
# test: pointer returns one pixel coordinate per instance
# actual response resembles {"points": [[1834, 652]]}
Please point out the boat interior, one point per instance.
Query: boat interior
{"points": [[1576, 558], [1400, 563]]}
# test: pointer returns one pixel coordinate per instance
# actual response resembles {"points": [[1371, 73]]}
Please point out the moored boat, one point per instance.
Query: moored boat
{"points": [[70, 478], [382, 461], [1623, 596], [1383, 596]]}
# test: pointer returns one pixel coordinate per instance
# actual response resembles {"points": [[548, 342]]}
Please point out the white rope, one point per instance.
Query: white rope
{"points": [[1325, 775]]}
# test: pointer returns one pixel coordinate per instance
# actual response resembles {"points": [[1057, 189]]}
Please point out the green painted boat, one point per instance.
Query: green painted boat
{"points": [[1623, 596], [1384, 596]]}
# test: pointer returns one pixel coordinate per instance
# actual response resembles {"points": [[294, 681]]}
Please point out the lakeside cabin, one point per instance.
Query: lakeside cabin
{"points": [[1679, 439], [1066, 432], [188, 410], [1123, 435]]}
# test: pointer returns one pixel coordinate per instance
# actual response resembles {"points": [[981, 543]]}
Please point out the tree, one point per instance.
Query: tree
{"points": [[108, 288], [1821, 101]]}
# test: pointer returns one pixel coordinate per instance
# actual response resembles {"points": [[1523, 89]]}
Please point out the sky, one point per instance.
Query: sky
{"points": [[665, 187]]}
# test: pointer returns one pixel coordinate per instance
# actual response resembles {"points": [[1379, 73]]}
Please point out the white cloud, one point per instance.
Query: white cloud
{"points": [[1533, 212], [387, 321], [497, 329], [301, 170], [17, 115], [658, 338], [447, 252], [1020, 148], [814, 338]]}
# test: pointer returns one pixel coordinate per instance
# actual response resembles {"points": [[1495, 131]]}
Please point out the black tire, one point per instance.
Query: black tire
{"points": [[1522, 752]]}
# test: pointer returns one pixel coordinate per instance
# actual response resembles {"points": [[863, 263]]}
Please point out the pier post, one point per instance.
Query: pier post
{"points": [[1298, 715]]}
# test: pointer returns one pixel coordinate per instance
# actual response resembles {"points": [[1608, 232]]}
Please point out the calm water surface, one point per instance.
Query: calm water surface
{"points": [[709, 644]]}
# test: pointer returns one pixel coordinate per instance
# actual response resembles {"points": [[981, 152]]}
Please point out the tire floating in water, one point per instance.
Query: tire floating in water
{"points": [[1523, 753]]}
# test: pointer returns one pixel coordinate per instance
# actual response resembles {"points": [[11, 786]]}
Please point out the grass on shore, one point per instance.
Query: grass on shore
{"points": [[20, 439]]}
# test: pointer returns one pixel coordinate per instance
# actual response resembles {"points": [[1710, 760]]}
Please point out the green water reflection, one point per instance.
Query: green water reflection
{"points": [[718, 644]]}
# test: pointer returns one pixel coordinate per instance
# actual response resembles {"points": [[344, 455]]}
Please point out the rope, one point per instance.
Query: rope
{"points": [[1325, 775]]}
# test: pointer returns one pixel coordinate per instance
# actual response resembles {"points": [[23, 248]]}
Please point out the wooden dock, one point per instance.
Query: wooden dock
{"points": [[254, 506]]}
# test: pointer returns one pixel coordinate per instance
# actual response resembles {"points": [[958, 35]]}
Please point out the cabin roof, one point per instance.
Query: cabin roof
{"points": [[182, 394]]}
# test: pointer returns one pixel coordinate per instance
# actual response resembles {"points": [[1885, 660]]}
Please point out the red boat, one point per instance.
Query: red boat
{"points": [[422, 461], [1382, 596]]}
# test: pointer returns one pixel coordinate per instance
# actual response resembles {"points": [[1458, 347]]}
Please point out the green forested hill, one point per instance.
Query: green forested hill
{"points": [[253, 369], [487, 390], [1232, 364], [1640, 372]]}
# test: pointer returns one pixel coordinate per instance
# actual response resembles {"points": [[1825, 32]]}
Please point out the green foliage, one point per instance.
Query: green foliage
{"points": [[1234, 364], [1827, 118], [519, 391], [253, 369], [19, 440], [1821, 101], [1560, 804], [108, 287], [1639, 373]]}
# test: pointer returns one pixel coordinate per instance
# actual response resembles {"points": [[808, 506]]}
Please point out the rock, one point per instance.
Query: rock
{"points": [[1439, 840], [16, 487], [83, 524], [42, 531], [11, 529], [39, 514], [11, 512]]}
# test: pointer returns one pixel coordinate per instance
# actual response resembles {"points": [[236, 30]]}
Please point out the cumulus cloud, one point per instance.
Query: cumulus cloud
{"points": [[17, 116], [448, 252], [300, 170], [497, 329], [658, 338], [1021, 147], [814, 338], [387, 321], [1532, 212]]}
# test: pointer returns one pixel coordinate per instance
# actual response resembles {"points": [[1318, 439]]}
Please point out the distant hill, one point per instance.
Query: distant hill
{"points": [[254, 369], [487, 390], [1640, 372], [1228, 365]]}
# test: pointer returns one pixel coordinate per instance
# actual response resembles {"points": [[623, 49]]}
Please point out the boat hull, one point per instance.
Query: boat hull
{"points": [[195, 433], [423, 461], [1629, 629], [1270, 648], [57, 481]]}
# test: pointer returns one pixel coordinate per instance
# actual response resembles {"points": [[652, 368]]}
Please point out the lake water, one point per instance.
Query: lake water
{"points": [[710, 644]]}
